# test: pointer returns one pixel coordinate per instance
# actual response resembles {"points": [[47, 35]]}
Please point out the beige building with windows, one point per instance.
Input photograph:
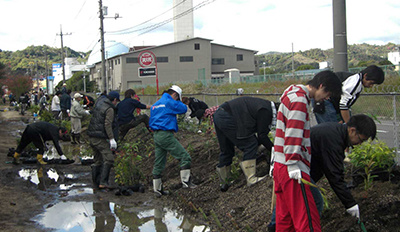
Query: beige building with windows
{"points": [[186, 60]]}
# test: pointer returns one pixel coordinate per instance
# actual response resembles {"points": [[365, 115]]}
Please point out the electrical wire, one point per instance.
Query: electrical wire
{"points": [[121, 31], [204, 3], [157, 25]]}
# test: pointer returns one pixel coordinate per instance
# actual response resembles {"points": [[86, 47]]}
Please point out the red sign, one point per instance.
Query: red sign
{"points": [[146, 59]]}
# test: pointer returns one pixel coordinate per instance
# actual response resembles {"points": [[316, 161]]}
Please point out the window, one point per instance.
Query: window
{"points": [[131, 60], [115, 62], [162, 59], [119, 61], [239, 57], [186, 58], [196, 46], [218, 61]]}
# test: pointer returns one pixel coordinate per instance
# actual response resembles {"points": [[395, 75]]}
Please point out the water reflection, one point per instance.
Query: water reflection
{"points": [[108, 216], [45, 177], [104, 218]]}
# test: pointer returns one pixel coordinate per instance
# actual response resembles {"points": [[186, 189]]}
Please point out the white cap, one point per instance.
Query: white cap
{"points": [[239, 91], [178, 90], [78, 95]]}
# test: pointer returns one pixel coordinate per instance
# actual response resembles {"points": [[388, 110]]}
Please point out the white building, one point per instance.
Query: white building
{"points": [[183, 20]]}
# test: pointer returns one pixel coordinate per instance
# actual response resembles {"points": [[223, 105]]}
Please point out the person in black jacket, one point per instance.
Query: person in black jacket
{"points": [[126, 118], [196, 106], [65, 104], [23, 100], [328, 144], [102, 132], [38, 133], [236, 123]]}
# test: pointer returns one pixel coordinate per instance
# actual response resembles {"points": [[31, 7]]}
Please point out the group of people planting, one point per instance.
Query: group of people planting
{"points": [[300, 154]]}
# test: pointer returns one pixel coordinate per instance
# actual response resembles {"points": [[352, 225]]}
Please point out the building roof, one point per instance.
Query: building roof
{"points": [[112, 49]]}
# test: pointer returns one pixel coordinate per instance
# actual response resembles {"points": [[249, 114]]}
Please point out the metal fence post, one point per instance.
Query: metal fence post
{"points": [[395, 133]]}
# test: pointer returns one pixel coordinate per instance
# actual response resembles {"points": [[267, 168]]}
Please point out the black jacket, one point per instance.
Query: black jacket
{"points": [[65, 101], [195, 105], [252, 115], [97, 127], [328, 143], [44, 131]]}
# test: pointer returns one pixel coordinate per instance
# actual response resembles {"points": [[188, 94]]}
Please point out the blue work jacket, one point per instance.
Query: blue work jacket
{"points": [[163, 113]]}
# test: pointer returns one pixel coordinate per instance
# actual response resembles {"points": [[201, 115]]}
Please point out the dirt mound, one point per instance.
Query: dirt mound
{"points": [[244, 208]]}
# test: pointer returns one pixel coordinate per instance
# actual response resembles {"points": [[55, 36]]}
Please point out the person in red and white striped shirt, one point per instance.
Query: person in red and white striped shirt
{"points": [[295, 207]]}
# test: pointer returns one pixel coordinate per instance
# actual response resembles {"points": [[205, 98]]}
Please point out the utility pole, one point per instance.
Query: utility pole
{"points": [[340, 62], [292, 60], [103, 11], [62, 52], [45, 68], [37, 76], [103, 59]]}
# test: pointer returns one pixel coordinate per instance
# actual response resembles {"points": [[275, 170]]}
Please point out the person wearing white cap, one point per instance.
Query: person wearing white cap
{"points": [[77, 112], [164, 123]]}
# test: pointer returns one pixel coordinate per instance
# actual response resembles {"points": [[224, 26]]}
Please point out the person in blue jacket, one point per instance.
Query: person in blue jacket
{"points": [[164, 123]]}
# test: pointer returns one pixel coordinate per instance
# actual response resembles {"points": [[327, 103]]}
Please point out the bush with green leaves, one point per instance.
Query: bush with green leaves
{"points": [[371, 157], [127, 171]]}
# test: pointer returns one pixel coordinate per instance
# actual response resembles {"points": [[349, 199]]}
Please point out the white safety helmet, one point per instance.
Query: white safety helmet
{"points": [[239, 91], [178, 90]]}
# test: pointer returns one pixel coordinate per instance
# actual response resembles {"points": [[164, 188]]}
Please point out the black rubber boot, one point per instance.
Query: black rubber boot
{"points": [[78, 138], [73, 138], [96, 172], [105, 172]]}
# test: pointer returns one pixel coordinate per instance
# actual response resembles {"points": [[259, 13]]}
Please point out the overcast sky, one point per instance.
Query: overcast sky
{"points": [[261, 25]]}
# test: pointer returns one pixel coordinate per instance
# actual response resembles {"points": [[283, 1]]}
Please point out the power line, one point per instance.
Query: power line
{"points": [[157, 25], [204, 3], [121, 31], [76, 16]]}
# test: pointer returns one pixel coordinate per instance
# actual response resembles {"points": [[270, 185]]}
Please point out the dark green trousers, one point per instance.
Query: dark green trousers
{"points": [[166, 142]]}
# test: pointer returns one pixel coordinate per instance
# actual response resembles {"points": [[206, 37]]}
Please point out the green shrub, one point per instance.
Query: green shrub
{"points": [[126, 167], [370, 157]]}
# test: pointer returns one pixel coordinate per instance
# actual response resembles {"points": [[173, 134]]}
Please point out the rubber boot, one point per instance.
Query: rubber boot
{"points": [[224, 174], [96, 172], [40, 159], [105, 173], [249, 170], [78, 138], [186, 179], [16, 158], [158, 188], [73, 138]]}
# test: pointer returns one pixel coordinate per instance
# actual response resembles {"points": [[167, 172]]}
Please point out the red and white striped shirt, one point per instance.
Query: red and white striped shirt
{"points": [[292, 145]]}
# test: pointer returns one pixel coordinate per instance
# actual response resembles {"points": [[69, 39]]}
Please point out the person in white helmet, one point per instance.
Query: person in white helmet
{"points": [[240, 91], [164, 123]]}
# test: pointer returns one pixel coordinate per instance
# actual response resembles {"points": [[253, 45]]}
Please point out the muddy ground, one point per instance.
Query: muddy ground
{"points": [[241, 208]]}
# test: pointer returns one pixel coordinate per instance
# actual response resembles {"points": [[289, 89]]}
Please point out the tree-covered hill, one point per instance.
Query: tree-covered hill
{"points": [[33, 59], [358, 55]]}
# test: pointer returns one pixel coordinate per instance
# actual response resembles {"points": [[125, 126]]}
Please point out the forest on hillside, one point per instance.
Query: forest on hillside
{"points": [[359, 55], [33, 59]]}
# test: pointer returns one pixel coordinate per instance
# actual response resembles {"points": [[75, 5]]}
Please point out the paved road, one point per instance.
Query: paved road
{"points": [[386, 133]]}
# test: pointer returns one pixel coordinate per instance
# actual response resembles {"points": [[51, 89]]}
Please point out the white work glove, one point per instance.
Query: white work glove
{"points": [[87, 112], [295, 174], [63, 157], [354, 211], [271, 166], [113, 144]]}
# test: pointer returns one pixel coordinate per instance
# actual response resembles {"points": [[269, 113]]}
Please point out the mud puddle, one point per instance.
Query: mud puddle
{"points": [[108, 216]]}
